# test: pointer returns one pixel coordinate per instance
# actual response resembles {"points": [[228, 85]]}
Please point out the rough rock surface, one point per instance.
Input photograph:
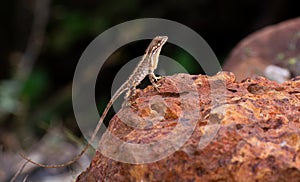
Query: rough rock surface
{"points": [[274, 45], [254, 123]]}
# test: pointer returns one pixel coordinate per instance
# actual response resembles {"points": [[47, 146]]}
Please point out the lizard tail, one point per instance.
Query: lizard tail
{"points": [[56, 165], [123, 88]]}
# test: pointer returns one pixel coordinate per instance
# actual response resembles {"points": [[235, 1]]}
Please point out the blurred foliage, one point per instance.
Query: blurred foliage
{"points": [[70, 28], [46, 93], [9, 97], [44, 96], [35, 87], [188, 62]]}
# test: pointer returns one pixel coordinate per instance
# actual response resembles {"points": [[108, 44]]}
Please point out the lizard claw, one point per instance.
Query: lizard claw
{"points": [[156, 86]]}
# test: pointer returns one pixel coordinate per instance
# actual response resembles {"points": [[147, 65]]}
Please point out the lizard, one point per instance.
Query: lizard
{"points": [[146, 66]]}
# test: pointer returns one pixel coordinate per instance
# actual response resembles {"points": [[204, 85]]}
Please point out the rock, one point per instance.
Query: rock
{"points": [[277, 73], [241, 131], [277, 45]]}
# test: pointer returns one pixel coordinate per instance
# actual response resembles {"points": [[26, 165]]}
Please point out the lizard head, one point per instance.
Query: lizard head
{"points": [[154, 49], [156, 45], [159, 41]]}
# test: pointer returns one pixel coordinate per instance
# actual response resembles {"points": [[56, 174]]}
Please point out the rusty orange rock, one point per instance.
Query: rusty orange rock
{"points": [[258, 138]]}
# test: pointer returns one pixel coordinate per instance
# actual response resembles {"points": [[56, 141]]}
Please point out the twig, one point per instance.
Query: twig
{"points": [[36, 38], [18, 172]]}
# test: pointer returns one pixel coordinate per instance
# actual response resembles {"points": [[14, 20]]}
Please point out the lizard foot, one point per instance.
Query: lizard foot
{"points": [[156, 78], [156, 86], [130, 104]]}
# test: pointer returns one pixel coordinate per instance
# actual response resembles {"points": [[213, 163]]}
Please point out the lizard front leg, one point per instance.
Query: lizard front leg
{"points": [[153, 80]]}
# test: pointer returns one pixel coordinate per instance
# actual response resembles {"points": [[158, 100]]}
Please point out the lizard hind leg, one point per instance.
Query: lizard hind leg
{"points": [[127, 99]]}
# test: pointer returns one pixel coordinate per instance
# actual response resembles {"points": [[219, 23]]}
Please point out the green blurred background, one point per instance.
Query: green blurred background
{"points": [[42, 41]]}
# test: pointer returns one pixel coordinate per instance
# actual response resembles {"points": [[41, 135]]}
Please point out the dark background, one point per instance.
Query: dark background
{"points": [[35, 93]]}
